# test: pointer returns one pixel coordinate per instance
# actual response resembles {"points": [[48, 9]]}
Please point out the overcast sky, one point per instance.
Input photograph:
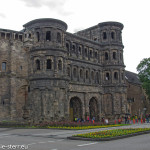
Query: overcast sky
{"points": [[81, 14]]}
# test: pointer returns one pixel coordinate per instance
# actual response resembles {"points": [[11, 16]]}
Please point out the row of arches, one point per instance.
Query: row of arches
{"points": [[10, 35], [75, 72], [76, 108], [110, 34], [115, 76], [95, 76], [46, 36], [93, 54], [113, 56], [49, 64], [78, 49]]}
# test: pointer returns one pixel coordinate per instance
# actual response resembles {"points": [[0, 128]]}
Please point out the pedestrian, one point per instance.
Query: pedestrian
{"points": [[93, 119], [119, 121], [147, 119], [102, 120], [136, 118], [126, 119], [106, 121], [88, 118], [129, 120]]}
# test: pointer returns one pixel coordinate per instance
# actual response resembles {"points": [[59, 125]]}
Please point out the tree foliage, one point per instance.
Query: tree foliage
{"points": [[144, 74]]}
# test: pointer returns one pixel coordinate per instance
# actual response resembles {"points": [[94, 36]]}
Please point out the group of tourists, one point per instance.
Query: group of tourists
{"points": [[134, 119], [87, 119], [126, 119]]}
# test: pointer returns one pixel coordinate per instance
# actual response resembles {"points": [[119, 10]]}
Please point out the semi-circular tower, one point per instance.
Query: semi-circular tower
{"points": [[47, 82]]}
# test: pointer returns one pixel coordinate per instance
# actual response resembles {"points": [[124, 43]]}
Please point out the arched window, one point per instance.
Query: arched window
{"points": [[114, 55], [20, 67], [95, 39], [67, 47], [3, 66], [16, 36], [20, 37], [92, 75], [49, 64], [58, 37], [3, 35], [120, 56], [38, 64], [90, 53], [48, 36], [3, 102], [97, 77], [95, 54], [81, 73], [38, 36], [8, 35], [86, 52], [73, 48], [28, 88], [59, 65], [68, 71], [29, 35], [107, 76], [116, 75], [87, 74], [106, 56], [113, 35], [80, 51], [119, 36], [122, 76], [75, 72], [104, 35]]}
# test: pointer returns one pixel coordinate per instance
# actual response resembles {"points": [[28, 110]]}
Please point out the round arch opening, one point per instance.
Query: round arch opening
{"points": [[93, 108], [75, 108]]}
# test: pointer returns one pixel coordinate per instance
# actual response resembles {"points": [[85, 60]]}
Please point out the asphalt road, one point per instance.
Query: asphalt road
{"points": [[51, 139]]}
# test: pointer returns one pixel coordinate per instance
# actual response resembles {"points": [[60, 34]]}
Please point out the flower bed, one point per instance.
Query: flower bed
{"points": [[82, 127], [75, 125], [63, 125], [113, 133]]}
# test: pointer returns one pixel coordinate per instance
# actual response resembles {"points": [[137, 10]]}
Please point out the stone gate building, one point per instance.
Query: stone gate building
{"points": [[48, 74]]}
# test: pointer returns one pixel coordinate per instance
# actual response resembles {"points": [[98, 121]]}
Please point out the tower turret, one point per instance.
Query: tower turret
{"points": [[110, 33], [113, 65], [45, 39]]}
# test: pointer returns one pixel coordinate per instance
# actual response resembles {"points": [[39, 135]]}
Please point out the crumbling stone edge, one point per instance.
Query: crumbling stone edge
{"points": [[107, 139]]}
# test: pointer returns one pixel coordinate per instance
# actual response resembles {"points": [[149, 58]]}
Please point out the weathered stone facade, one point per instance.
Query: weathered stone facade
{"points": [[138, 103], [50, 74]]}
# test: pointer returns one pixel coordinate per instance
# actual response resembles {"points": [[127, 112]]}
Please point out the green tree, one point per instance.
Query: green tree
{"points": [[144, 74]]}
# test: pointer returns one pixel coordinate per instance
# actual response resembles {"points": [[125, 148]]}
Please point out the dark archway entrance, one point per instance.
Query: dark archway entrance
{"points": [[75, 108], [93, 108]]}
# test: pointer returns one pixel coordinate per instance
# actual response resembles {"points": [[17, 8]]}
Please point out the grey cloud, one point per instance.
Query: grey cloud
{"points": [[78, 29], [54, 5], [49, 3], [2, 15], [33, 3], [64, 13]]}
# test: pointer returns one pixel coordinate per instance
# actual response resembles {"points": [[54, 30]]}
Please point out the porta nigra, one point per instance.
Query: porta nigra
{"points": [[48, 74]]}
